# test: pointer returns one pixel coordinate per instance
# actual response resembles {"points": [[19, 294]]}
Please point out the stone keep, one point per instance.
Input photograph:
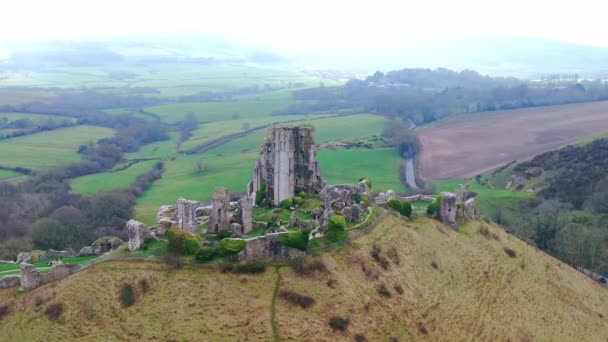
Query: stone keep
{"points": [[186, 214], [220, 211], [287, 164], [138, 234]]}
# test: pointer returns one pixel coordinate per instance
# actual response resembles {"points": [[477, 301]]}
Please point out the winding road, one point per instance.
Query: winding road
{"points": [[408, 165]]}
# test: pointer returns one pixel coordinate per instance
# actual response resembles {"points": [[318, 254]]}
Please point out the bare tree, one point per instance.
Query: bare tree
{"points": [[201, 167]]}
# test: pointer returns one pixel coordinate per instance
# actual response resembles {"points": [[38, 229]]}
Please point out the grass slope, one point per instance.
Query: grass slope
{"points": [[475, 291], [382, 166], [51, 148]]}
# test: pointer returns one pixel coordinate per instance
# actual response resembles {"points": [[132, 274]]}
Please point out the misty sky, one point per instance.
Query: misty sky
{"points": [[312, 23]]}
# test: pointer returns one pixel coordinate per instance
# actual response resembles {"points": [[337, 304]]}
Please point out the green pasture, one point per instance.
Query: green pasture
{"points": [[156, 150], [382, 166], [240, 108], [347, 127], [7, 174], [36, 118], [209, 131], [50, 148], [106, 181]]}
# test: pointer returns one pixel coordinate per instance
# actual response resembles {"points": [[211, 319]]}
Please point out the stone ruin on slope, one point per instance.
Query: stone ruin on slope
{"points": [[345, 200], [287, 165]]}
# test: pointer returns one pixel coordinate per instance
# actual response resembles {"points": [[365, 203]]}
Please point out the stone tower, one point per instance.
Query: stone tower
{"points": [[287, 164], [220, 211]]}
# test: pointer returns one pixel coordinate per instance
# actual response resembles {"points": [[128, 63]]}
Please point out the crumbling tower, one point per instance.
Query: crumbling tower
{"points": [[287, 164]]}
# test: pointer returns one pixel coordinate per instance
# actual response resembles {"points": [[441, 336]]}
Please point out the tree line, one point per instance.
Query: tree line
{"points": [[424, 95]]}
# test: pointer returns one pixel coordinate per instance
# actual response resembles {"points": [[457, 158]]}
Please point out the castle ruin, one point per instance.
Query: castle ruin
{"points": [[287, 164]]}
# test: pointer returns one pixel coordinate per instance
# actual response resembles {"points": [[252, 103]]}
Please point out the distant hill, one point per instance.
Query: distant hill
{"points": [[403, 280]]}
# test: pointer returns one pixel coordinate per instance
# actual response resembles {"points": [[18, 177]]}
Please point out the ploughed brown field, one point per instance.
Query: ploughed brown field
{"points": [[467, 145]]}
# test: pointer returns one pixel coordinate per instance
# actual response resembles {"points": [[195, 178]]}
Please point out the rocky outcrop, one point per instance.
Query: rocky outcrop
{"points": [[10, 281], [220, 211], [295, 221], [138, 234], [245, 214], [268, 247], [447, 210], [287, 164], [30, 277], [186, 214], [106, 244]]}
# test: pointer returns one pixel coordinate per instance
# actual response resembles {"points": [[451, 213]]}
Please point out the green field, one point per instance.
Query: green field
{"points": [[382, 166], [240, 108], [156, 150], [181, 179], [7, 174], [100, 182], [209, 131], [51, 148], [347, 127]]}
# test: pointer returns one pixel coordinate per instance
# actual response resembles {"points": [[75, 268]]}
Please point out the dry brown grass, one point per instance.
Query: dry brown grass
{"points": [[478, 294]]}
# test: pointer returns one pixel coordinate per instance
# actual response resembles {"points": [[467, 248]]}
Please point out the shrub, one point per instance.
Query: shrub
{"points": [[336, 228], [144, 284], [399, 289], [4, 310], [308, 265], [365, 200], [381, 260], [357, 197], [228, 247], [127, 295], [224, 233], [298, 201], [287, 203], [383, 291], [510, 252], [303, 194], [435, 264], [183, 242], [251, 267], [338, 323], [360, 338], [54, 311], [297, 238], [261, 195], [204, 254], [297, 299], [432, 209], [404, 208]]}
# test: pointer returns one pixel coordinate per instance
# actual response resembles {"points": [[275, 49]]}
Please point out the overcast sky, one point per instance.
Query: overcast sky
{"points": [[309, 23]]}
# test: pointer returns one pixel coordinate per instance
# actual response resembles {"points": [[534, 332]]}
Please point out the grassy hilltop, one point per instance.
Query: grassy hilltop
{"points": [[409, 280]]}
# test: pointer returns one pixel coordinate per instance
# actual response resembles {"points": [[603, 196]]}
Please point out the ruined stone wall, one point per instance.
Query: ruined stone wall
{"points": [[220, 211], [245, 214], [447, 210], [186, 214], [10, 281], [268, 247], [287, 164], [138, 234]]}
